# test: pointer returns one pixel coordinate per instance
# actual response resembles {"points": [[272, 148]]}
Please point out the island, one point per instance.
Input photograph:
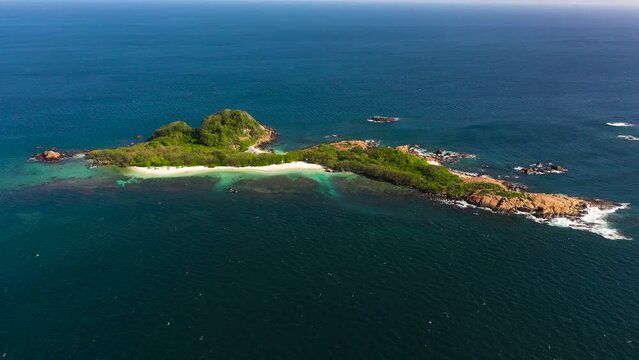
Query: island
{"points": [[233, 138]]}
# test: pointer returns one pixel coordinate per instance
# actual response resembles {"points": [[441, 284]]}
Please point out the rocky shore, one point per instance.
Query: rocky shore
{"points": [[54, 155], [438, 156], [539, 205], [269, 137], [349, 144]]}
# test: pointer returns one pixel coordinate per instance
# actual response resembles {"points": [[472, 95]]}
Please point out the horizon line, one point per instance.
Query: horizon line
{"points": [[513, 3]]}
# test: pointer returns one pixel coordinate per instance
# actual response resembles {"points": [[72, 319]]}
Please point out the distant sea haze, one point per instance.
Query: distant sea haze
{"points": [[100, 264]]}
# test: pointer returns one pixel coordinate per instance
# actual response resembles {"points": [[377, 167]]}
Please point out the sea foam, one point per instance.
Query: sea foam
{"points": [[594, 220], [628, 137], [619, 124]]}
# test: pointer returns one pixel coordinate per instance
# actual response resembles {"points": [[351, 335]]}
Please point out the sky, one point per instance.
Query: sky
{"points": [[613, 3], [523, 2]]}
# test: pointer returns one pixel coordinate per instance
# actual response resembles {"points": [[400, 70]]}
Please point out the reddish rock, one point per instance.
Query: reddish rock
{"points": [[51, 155]]}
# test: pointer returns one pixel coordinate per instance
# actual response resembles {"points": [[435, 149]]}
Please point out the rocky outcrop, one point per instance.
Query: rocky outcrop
{"points": [[540, 205], [269, 137], [541, 168], [415, 151], [446, 156], [350, 144], [436, 157], [51, 156], [537, 204]]}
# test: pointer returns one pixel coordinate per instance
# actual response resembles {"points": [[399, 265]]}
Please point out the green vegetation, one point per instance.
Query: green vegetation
{"points": [[396, 167], [221, 140], [224, 137], [230, 129]]}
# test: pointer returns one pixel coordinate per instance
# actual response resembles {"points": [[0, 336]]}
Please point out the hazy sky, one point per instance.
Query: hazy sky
{"points": [[487, 2], [527, 2]]}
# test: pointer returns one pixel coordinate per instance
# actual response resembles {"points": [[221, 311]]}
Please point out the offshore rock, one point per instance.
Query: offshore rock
{"points": [[541, 168], [50, 156]]}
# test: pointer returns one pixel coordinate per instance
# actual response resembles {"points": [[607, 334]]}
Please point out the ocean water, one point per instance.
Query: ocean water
{"points": [[96, 265]]}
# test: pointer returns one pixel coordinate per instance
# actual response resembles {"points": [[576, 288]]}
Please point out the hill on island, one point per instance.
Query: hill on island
{"points": [[222, 138], [232, 130]]}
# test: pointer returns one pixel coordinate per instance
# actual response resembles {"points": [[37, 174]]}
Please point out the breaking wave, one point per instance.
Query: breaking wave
{"points": [[619, 124], [628, 137], [594, 220]]}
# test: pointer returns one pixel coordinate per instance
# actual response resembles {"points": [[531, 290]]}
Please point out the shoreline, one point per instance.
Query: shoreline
{"points": [[183, 171], [593, 220]]}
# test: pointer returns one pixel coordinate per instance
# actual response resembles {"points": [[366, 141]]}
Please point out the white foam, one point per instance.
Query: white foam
{"points": [[594, 220], [628, 137], [619, 124]]}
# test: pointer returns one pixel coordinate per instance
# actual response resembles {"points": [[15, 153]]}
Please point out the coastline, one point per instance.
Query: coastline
{"points": [[184, 171], [593, 220]]}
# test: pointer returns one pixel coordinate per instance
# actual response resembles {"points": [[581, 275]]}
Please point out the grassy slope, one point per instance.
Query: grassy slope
{"points": [[223, 137]]}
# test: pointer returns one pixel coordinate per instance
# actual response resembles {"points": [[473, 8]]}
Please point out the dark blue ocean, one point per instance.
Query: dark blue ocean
{"points": [[93, 266]]}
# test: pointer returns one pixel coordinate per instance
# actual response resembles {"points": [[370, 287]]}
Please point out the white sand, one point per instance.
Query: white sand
{"points": [[173, 171]]}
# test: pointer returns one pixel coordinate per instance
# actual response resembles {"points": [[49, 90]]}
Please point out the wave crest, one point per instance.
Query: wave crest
{"points": [[619, 124]]}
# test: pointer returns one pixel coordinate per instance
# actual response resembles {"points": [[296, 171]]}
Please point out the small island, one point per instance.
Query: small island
{"points": [[233, 138]]}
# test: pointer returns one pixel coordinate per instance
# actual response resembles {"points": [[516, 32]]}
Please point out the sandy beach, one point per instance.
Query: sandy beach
{"points": [[173, 171]]}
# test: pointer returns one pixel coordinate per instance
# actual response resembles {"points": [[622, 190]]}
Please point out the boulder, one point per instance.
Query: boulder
{"points": [[541, 168], [51, 155]]}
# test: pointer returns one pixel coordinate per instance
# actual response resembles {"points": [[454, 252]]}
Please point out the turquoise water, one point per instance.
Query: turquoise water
{"points": [[323, 266]]}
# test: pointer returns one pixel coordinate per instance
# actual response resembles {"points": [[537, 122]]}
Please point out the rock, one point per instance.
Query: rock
{"points": [[541, 168], [350, 144], [139, 137], [269, 137], [51, 155], [515, 187], [438, 156], [539, 205]]}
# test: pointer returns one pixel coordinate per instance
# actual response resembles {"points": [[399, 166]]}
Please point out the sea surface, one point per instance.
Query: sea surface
{"points": [[96, 265]]}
